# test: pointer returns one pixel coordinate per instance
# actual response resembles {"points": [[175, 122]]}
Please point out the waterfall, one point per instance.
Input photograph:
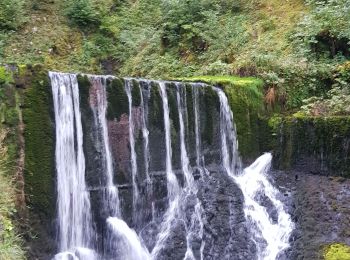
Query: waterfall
{"points": [[128, 86], [276, 235], [271, 238], [131, 247], [185, 162], [74, 213], [172, 183], [195, 227], [99, 110], [197, 124], [145, 135], [95, 222]]}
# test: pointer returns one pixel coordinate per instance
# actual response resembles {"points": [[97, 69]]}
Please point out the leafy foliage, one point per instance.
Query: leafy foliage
{"points": [[325, 30], [12, 14], [83, 13], [337, 100]]}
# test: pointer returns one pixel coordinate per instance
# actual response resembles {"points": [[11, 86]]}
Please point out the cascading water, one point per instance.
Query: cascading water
{"points": [[128, 87], [195, 227], [172, 183], [275, 233], [185, 217], [197, 123], [74, 213], [271, 237], [126, 238], [99, 108]]}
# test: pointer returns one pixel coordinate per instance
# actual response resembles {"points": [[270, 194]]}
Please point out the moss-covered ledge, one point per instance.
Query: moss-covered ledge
{"points": [[245, 96], [312, 144]]}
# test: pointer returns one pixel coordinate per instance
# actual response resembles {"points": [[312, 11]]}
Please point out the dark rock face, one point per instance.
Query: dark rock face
{"points": [[226, 235], [320, 208]]}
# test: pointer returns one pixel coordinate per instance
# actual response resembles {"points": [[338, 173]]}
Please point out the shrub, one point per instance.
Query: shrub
{"points": [[83, 13], [12, 14], [324, 32]]}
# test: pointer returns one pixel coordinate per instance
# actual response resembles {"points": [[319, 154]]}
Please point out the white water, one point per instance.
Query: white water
{"points": [[172, 183], [111, 196], [185, 162], [195, 228], [74, 213], [128, 86], [251, 181], [145, 136], [131, 247], [199, 157]]}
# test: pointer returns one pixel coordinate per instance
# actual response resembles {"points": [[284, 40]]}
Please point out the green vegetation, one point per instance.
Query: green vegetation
{"points": [[11, 14], [10, 241], [295, 46], [337, 251], [82, 13]]}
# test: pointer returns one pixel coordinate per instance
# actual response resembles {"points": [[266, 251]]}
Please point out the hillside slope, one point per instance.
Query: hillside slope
{"points": [[296, 46]]}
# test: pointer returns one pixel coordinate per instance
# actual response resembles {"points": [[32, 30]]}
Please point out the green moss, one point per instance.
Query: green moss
{"points": [[156, 116], [246, 103], [226, 80], [118, 103], [172, 102], [190, 107], [135, 93], [39, 147], [6, 76], [9, 114], [84, 92], [274, 123], [337, 251], [212, 103]]}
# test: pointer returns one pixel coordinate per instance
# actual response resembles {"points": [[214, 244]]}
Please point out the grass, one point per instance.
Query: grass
{"points": [[337, 251], [10, 242]]}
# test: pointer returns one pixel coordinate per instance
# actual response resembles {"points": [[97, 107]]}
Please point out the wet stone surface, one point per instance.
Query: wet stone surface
{"points": [[320, 208]]}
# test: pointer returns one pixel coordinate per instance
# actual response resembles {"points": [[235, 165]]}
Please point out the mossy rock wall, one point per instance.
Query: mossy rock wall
{"points": [[318, 145], [26, 90], [39, 143], [247, 106]]}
